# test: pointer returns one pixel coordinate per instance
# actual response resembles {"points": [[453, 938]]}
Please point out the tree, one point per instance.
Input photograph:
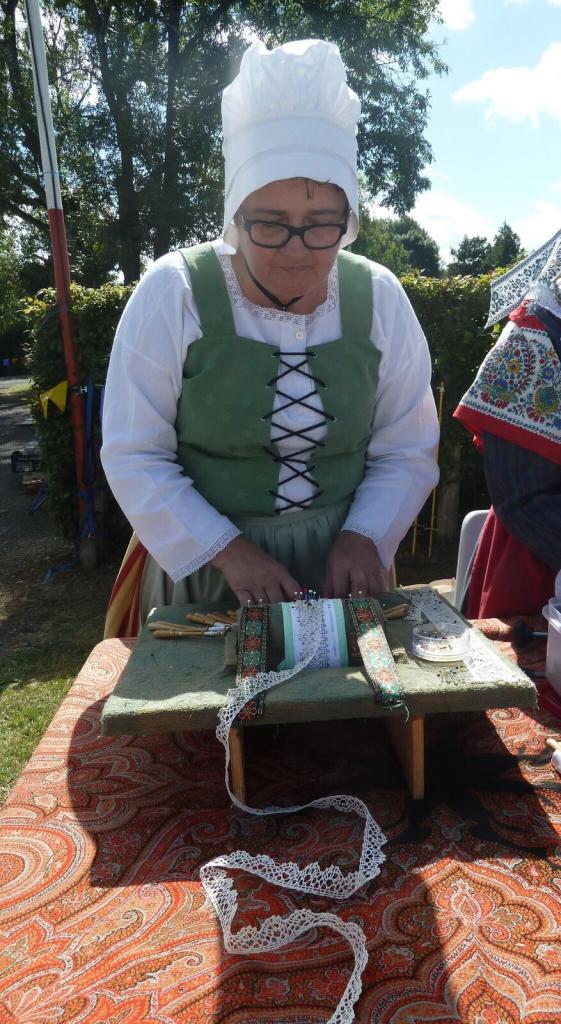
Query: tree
{"points": [[421, 248], [505, 249], [471, 257], [400, 244], [137, 111], [377, 241], [12, 323]]}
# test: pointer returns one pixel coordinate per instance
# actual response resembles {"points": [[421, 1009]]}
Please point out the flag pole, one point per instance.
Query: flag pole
{"points": [[57, 231]]}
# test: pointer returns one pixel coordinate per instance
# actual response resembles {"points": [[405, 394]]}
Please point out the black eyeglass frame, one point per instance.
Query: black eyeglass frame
{"points": [[292, 232]]}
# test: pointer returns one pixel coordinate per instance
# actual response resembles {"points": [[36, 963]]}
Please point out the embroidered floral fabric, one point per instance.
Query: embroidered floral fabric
{"points": [[517, 392], [543, 265]]}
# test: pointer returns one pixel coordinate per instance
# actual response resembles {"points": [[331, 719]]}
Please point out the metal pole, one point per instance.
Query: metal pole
{"points": [[57, 229]]}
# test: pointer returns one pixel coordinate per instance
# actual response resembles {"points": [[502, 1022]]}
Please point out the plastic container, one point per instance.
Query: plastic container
{"points": [[440, 641], [552, 612]]}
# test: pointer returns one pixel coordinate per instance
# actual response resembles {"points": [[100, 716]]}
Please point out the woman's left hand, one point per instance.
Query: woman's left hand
{"points": [[354, 565]]}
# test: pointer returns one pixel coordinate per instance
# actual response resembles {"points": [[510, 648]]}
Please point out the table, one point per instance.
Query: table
{"points": [[174, 685], [102, 917]]}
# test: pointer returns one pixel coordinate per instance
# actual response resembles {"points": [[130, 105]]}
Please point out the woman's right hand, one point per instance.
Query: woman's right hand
{"points": [[253, 575]]}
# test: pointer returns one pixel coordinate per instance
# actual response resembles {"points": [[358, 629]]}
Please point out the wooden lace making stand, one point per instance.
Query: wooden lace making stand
{"points": [[178, 685]]}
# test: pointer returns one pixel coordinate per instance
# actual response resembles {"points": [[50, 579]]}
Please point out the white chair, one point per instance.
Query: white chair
{"points": [[469, 536]]}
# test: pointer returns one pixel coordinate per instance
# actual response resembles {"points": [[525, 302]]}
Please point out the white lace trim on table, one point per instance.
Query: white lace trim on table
{"points": [[482, 663], [239, 300], [276, 931]]}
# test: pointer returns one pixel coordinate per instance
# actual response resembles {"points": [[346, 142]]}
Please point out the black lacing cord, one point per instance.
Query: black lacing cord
{"points": [[286, 432]]}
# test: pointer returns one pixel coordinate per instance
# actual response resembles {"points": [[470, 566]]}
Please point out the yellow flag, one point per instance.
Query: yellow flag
{"points": [[56, 395]]}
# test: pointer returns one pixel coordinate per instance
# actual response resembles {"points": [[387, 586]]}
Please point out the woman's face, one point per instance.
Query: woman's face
{"points": [[292, 270]]}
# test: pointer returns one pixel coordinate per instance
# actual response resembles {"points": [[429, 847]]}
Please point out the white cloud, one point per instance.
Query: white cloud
{"points": [[539, 225], [448, 219], [520, 93], [555, 186], [457, 14]]}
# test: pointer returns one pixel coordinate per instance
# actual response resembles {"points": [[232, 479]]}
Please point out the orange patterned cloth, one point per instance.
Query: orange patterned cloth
{"points": [[102, 915]]}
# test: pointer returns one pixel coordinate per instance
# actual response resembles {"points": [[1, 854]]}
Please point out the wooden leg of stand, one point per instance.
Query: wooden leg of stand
{"points": [[408, 739], [237, 764]]}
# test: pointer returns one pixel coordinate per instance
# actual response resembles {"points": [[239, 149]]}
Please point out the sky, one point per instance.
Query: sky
{"points": [[495, 123]]}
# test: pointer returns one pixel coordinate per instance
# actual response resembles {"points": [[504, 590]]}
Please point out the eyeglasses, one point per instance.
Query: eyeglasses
{"points": [[269, 234]]}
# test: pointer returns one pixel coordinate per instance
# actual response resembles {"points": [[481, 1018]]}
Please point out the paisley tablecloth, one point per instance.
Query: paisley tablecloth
{"points": [[102, 915]]}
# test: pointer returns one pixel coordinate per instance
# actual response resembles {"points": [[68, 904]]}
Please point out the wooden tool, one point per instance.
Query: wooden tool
{"points": [[178, 627], [205, 620], [399, 611], [169, 634]]}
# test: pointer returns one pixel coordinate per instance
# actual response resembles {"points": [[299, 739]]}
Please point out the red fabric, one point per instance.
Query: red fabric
{"points": [[103, 919], [506, 579], [479, 422]]}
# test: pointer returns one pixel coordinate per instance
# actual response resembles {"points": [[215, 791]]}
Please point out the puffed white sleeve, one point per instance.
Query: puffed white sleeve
{"points": [[180, 529], [401, 467]]}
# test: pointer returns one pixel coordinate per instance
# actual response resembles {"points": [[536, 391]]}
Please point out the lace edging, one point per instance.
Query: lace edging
{"points": [[541, 266], [239, 300], [187, 570]]}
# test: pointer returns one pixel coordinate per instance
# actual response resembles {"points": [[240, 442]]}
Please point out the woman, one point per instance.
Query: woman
{"points": [[513, 409], [268, 420]]}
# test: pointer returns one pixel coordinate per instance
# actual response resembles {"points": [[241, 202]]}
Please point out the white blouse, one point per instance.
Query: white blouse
{"points": [[174, 522]]}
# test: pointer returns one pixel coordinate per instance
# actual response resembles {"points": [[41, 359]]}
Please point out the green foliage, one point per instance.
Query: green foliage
{"points": [[377, 242], [95, 313], [471, 257], [12, 324], [452, 312], [506, 248], [422, 250], [400, 244], [136, 108], [475, 255]]}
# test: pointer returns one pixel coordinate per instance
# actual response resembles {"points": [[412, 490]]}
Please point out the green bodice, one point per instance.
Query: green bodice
{"points": [[224, 412]]}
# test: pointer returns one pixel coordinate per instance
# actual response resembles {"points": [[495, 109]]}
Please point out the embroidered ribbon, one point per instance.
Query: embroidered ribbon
{"points": [[366, 642]]}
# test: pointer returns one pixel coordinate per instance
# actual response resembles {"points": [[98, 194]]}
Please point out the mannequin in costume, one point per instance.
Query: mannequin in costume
{"points": [[513, 409], [268, 419]]}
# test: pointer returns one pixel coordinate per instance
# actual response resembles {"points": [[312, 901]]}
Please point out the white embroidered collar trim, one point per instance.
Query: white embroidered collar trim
{"points": [[239, 300], [540, 267]]}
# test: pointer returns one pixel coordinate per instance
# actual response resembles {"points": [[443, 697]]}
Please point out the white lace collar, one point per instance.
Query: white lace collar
{"points": [[239, 300]]}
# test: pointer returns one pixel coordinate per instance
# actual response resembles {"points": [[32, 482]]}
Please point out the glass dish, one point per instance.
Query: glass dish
{"points": [[440, 641]]}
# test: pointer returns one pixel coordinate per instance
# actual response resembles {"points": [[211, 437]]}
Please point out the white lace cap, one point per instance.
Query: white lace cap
{"points": [[541, 266], [289, 113]]}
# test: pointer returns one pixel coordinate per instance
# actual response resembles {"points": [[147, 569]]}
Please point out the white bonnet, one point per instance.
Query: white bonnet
{"points": [[289, 113]]}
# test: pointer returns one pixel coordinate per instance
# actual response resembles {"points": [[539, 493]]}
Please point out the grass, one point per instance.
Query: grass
{"points": [[27, 705], [48, 631]]}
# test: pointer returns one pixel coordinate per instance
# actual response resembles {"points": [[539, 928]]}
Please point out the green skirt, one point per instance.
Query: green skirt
{"points": [[301, 541]]}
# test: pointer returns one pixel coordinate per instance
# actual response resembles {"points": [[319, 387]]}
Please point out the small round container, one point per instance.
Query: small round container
{"points": [[440, 642]]}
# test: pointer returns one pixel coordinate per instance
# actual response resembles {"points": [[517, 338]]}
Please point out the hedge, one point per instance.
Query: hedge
{"points": [[452, 312]]}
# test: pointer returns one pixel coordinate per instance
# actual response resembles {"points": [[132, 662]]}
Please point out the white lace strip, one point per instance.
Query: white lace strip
{"points": [[275, 931], [482, 663]]}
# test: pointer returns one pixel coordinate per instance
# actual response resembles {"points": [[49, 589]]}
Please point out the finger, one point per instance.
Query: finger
{"points": [[341, 584], [245, 597], [289, 588], [327, 589], [358, 583], [274, 593], [378, 581]]}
